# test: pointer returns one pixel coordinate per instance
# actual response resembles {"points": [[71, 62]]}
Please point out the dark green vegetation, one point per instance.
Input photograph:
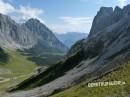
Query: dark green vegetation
{"points": [[3, 56], [51, 73], [44, 58], [82, 90]]}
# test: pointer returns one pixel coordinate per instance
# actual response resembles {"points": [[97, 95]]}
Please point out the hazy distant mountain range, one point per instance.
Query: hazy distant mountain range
{"points": [[71, 37]]}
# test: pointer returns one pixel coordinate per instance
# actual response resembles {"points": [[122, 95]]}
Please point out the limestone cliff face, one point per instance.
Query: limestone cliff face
{"points": [[106, 16], [107, 25], [12, 35], [28, 35], [102, 19], [44, 36]]}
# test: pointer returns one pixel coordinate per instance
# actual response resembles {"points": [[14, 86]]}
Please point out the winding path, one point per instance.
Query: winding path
{"points": [[2, 79]]}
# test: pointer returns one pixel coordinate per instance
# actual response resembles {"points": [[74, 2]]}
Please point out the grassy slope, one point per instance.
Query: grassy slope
{"points": [[82, 90], [56, 70], [46, 58], [19, 66]]}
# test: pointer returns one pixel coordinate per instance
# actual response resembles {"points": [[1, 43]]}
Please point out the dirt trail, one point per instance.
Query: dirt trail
{"points": [[2, 79]]}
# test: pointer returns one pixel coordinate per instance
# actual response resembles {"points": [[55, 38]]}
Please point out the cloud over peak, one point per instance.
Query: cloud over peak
{"points": [[28, 12], [6, 8], [122, 3], [22, 13]]}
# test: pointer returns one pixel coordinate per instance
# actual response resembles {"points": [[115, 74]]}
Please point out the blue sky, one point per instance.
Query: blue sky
{"points": [[60, 16]]}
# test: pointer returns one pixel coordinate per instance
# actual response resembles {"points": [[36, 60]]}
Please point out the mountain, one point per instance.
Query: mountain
{"points": [[48, 49], [71, 37], [31, 38], [44, 36], [13, 35], [105, 54]]}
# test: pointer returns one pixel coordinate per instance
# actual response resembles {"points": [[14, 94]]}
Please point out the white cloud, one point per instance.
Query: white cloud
{"points": [[22, 13], [6, 8], [73, 24], [122, 3], [28, 12]]}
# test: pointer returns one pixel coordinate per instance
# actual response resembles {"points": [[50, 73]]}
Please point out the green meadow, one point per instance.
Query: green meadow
{"points": [[15, 70]]}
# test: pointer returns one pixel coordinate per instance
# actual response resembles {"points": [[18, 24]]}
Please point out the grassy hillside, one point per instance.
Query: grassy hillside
{"points": [[43, 58], [82, 90], [50, 74], [16, 69], [46, 58]]}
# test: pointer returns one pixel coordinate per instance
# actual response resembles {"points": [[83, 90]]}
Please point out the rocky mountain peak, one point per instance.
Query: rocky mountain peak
{"points": [[12, 35], [33, 20], [117, 14], [6, 20], [45, 37], [102, 19], [37, 27], [126, 9], [106, 16], [117, 9], [106, 10], [4, 17]]}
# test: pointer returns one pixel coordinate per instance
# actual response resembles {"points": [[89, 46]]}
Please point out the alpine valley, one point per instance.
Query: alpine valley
{"points": [[25, 48], [102, 57]]}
